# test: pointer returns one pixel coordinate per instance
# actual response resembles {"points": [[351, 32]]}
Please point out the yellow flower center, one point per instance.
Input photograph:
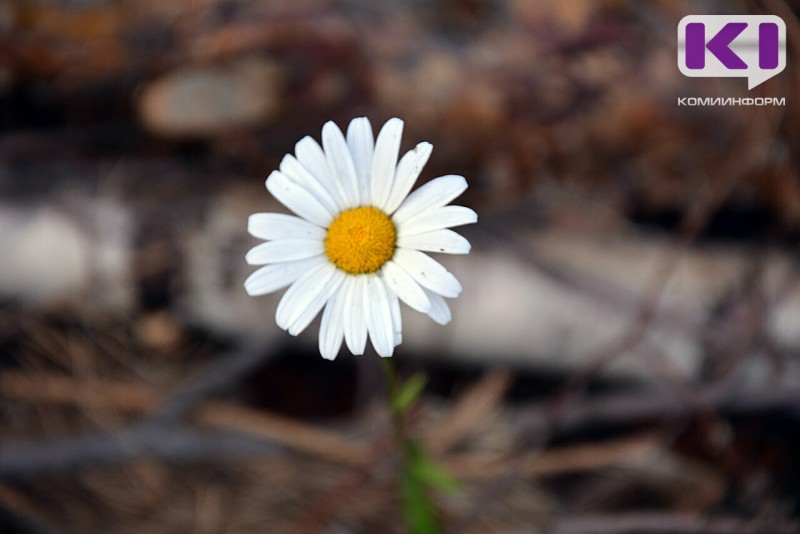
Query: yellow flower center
{"points": [[361, 240]]}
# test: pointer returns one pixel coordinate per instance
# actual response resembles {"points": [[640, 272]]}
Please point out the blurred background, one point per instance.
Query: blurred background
{"points": [[625, 356]]}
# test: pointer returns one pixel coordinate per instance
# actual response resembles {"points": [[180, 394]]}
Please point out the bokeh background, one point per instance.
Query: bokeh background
{"points": [[626, 353]]}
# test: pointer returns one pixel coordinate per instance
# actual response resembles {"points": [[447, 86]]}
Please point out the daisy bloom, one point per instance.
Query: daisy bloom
{"points": [[356, 244]]}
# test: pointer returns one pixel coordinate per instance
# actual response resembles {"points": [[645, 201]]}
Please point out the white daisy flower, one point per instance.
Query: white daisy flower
{"points": [[357, 245]]}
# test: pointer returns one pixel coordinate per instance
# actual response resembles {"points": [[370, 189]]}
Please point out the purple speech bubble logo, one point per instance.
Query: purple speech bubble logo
{"points": [[751, 46]]}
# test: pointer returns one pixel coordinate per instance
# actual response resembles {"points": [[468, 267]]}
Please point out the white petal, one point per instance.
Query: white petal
{"points": [[276, 276], [302, 293], [340, 162], [355, 328], [323, 192], [361, 143], [446, 241], [404, 286], [387, 147], [397, 320], [311, 156], [438, 218], [282, 226], [408, 170], [428, 272], [379, 317], [298, 199], [320, 299], [434, 194], [284, 250], [331, 329], [440, 311]]}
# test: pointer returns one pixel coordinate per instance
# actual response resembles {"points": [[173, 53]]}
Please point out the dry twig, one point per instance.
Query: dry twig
{"points": [[144, 438], [473, 407], [558, 461]]}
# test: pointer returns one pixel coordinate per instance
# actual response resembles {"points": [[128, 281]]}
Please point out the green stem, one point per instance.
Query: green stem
{"points": [[418, 509], [391, 393]]}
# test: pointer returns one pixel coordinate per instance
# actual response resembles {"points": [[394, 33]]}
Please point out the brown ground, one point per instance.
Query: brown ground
{"points": [[133, 419]]}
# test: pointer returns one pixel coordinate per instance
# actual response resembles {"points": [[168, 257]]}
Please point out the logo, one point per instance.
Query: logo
{"points": [[732, 46]]}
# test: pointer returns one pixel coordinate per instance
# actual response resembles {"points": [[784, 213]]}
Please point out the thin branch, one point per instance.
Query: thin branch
{"points": [[557, 461], [300, 436], [473, 407], [215, 377], [636, 408], [27, 458], [60, 389], [139, 400]]}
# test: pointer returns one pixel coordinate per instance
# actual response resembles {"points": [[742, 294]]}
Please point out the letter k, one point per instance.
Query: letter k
{"points": [[719, 45]]}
